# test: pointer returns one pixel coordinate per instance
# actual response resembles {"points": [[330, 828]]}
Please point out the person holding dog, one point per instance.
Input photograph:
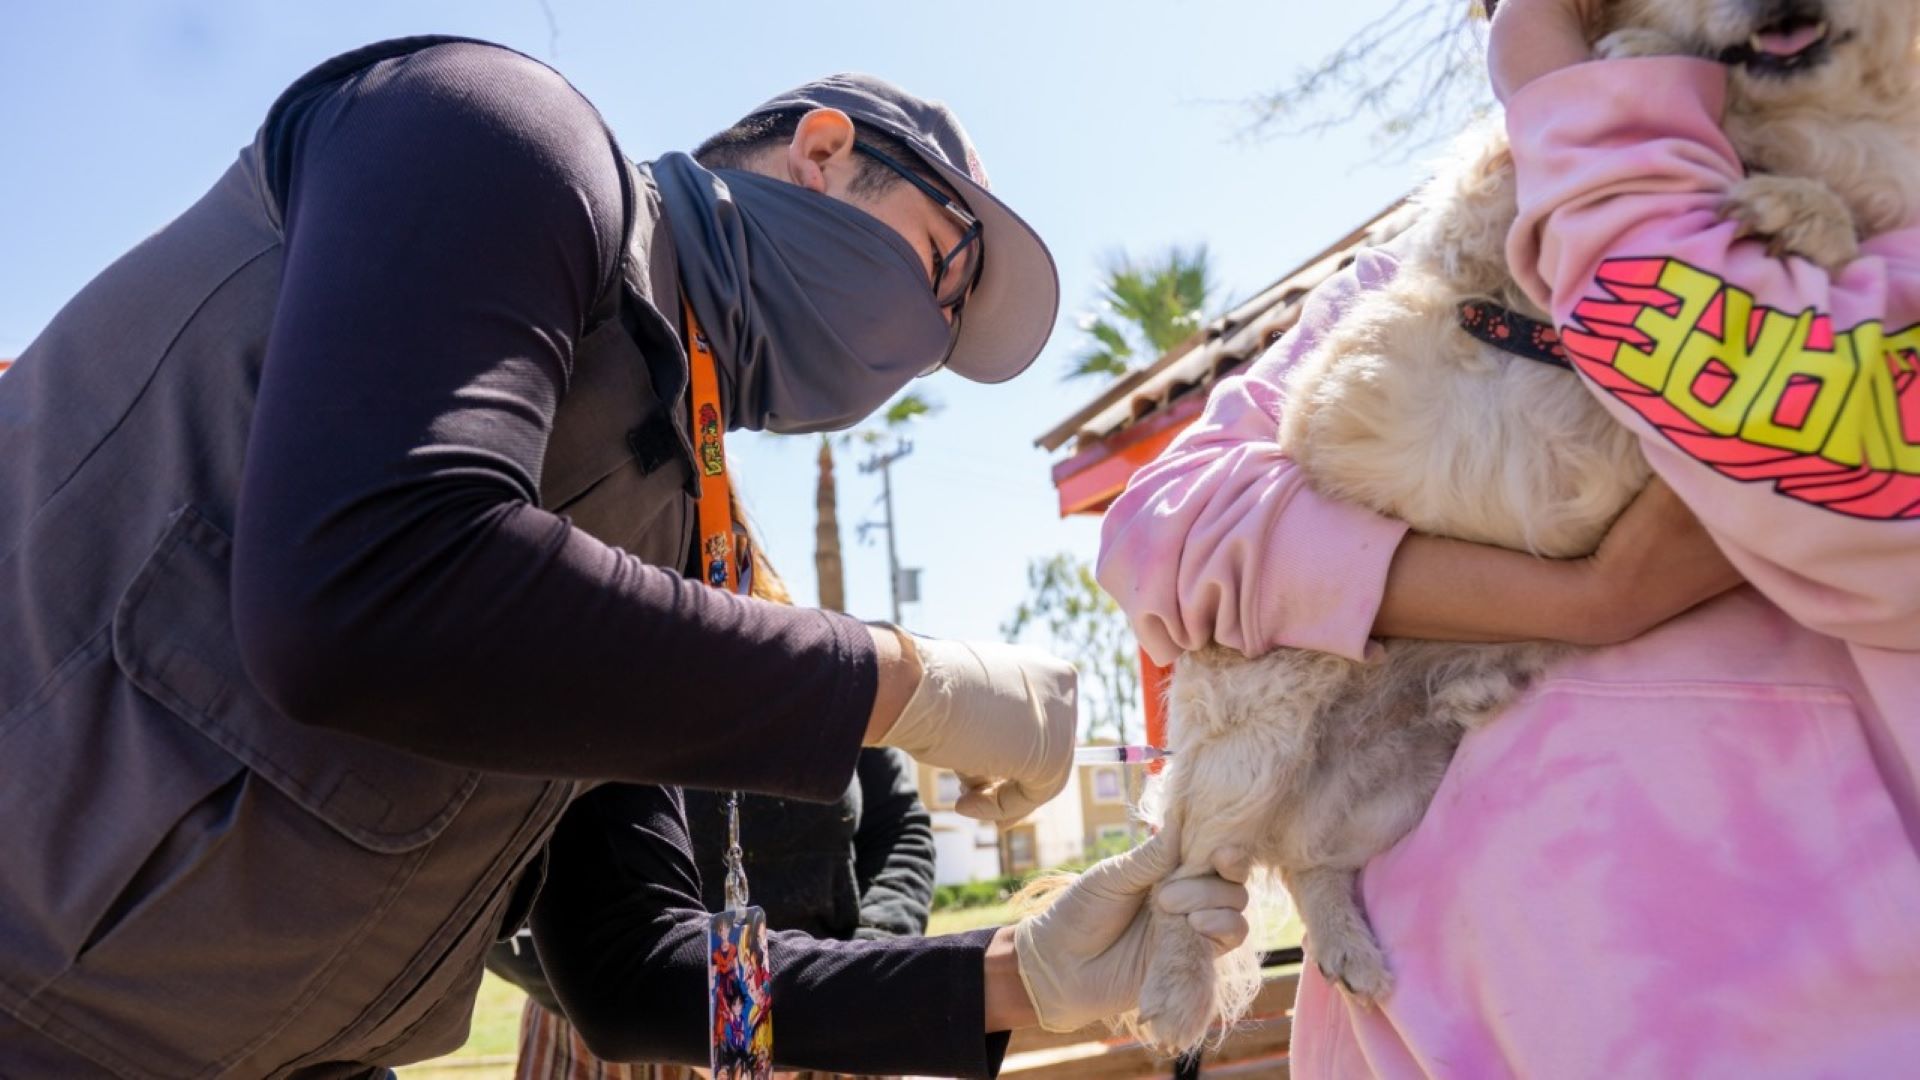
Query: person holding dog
{"points": [[347, 524], [1690, 850]]}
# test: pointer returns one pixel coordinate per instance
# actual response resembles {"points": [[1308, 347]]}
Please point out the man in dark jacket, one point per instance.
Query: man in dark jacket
{"points": [[342, 531]]}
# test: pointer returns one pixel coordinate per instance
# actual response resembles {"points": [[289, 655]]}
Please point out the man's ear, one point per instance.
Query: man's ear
{"points": [[824, 139]]}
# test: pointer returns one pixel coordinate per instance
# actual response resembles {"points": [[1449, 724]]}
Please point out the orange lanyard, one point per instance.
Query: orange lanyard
{"points": [[725, 561], [722, 556]]}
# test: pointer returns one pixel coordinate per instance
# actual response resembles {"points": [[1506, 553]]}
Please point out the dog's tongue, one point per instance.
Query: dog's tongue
{"points": [[1789, 42]]}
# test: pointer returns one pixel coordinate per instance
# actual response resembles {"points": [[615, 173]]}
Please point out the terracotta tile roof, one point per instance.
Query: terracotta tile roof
{"points": [[1227, 344]]}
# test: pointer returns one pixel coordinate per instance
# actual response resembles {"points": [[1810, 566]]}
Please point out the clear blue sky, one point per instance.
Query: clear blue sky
{"points": [[1108, 125]]}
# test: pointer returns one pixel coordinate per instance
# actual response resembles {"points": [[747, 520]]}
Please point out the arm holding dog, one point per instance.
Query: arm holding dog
{"points": [[1805, 469], [1654, 563], [1221, 538], [1264, 561]]}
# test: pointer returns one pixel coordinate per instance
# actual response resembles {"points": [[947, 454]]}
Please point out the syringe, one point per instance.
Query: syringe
{"points": [[1120, 755]]}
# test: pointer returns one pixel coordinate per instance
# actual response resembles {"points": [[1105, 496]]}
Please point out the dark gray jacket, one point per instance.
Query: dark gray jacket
{"points": [[193, 883]]}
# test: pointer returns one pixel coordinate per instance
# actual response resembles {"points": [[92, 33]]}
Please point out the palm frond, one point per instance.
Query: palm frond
{"points": [[1099, 362], [909, 406], [1150, 306]]}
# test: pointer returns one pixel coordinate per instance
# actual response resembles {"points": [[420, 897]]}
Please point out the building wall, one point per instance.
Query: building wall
{"points": [[1059, 829], [964, 849], [967, 850], [959, 855], [1108, 794]]}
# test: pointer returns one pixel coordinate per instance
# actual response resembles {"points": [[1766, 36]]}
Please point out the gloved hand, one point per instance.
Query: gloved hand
{"points": [[1085, 957], [1001, 716]]}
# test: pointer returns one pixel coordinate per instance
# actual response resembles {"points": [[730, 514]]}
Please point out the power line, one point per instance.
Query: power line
{"points": [[882, 462]]}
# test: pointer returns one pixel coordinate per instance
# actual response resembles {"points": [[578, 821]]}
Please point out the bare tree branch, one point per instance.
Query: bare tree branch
{"points": [[1415, 71], [553, 29]]}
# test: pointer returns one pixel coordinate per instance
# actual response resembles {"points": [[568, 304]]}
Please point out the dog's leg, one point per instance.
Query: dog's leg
{"points": [[1237, 750], [1479, 686], [1341, 942], [1384, 754], [1795, 216], [1218, 794]]}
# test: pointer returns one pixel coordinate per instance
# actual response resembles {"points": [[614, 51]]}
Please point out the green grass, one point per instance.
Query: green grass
{"points": [[1282, 925], [963, 919], [495, 1033]]}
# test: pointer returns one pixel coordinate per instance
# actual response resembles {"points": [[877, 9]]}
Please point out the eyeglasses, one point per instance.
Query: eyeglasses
{"points": [[952, 279]]}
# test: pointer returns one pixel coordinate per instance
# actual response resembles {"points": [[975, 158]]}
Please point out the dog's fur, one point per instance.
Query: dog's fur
{"points": [[1316, 763]]}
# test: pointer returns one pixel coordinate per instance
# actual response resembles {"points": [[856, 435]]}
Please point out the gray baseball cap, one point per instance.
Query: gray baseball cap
{"points": [[1011, 312]]}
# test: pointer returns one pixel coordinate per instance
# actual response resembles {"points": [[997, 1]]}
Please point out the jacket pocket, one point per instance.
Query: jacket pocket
{"points": [[93, 779], [173, 636], [1705, 857], [1743, 795], [234, 858], [1678, 878]]}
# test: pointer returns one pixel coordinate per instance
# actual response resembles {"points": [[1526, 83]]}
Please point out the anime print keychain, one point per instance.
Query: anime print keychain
{"points": [[739, 976]]}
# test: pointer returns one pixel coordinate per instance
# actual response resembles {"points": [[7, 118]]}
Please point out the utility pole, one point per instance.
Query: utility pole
{"points": [[882, 462]]}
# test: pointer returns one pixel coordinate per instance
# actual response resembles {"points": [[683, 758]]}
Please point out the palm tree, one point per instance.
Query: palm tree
{"points": [[1146, 308], [827, 565], [826, 535]]}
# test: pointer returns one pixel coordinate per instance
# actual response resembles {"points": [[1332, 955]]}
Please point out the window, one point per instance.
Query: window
{"points": [[946, 790], [1021, 854], [1107, 785]]}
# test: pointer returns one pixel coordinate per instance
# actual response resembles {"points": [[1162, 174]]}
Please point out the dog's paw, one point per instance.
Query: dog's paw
{"points": [[1174, 1018], [1794, 216], [1354, 961], [1638, 41], [1177, 1001]]}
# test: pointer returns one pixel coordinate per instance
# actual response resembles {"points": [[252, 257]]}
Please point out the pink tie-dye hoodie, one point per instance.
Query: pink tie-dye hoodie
{"points": [[1694, 854]]}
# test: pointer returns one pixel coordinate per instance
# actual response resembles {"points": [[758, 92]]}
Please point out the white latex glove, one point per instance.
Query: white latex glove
{"points": [[1085, 957], [1003, 717]]}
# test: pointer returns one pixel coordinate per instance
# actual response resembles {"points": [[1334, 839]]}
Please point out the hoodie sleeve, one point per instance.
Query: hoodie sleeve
{"points": [[1780, 402], [1221, 540]]}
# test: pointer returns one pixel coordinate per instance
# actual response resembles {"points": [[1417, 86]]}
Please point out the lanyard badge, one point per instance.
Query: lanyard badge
{"points": [[739, 976], [739, 970]]}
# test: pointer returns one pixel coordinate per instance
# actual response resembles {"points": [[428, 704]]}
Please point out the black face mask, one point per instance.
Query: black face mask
{"points": [[817, 311]]}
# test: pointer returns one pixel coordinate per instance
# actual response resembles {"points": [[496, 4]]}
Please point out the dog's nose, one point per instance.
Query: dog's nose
{"points": [[1767, 13]]}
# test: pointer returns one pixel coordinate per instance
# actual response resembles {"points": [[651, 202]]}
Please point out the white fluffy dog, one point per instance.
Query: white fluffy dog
{"points": [[1317, 763]]}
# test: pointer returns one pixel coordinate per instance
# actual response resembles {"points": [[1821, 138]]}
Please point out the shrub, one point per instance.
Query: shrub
{"points": [[974, 894]]}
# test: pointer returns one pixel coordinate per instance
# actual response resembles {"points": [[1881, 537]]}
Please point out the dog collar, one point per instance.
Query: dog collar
{"points": [[1512, 332]]}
